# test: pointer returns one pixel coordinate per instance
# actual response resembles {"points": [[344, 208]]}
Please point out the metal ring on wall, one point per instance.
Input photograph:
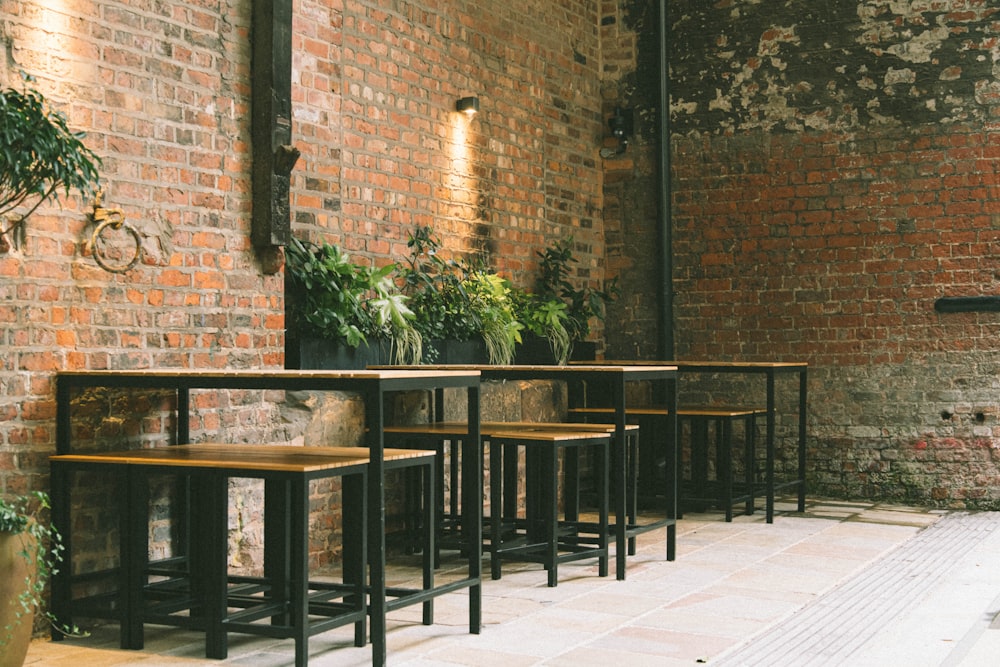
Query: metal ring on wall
{"points": [[102, 261]]}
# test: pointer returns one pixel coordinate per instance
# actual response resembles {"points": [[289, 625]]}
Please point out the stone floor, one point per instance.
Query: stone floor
{"points": [[845, 583]]}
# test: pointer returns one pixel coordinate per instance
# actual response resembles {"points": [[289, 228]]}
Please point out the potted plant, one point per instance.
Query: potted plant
{"points": [[490, 298], [445, 316], [30, 549], [393, 320], [335, 303], [583, 304], [38, 156], [465, 312], [547, 340]]}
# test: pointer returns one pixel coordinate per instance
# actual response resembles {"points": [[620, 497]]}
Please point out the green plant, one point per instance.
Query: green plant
{"points": [[490, 296], [459, 300], [39, 154], [328, 292], [582, 303], [436, 287], [546, 318], [393, 320], [334, 298], [41, 548]]}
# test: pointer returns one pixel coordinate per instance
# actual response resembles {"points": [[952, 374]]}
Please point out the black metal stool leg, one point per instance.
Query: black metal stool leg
{"points": [[210, 500], [429, 517], [135, 556], [603, 463], [355, 495], [749, 461], [549, 512], [497, 506], [724, 467]]}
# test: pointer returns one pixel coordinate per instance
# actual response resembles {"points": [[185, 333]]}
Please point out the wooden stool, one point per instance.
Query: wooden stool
{"points": [[541, 536], [202, 595], [698, 488], [447, 437]]}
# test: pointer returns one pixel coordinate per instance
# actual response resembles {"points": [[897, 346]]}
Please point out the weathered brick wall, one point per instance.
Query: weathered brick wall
{"points": [[835, 171], [161, 93], [163, 90]]}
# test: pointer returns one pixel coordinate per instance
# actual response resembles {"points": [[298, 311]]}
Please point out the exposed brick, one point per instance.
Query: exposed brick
{"points": [[828, 238]]}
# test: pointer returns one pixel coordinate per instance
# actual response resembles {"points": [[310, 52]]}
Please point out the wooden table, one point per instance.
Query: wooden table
{"points": [[615, 377], [373, 386], [770, 370]]}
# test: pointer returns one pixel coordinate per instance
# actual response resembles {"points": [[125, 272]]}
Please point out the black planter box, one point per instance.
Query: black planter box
{"points": [[536, 351], [325, 355], [455, 352]]}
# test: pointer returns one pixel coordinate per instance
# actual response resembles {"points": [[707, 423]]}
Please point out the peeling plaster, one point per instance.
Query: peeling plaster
{"points": [[920, 48], [720, 102], [738, 65], [896, 76]]}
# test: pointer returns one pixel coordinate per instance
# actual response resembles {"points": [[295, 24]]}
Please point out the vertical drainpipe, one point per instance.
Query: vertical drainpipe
{"points": [[666, 292]]}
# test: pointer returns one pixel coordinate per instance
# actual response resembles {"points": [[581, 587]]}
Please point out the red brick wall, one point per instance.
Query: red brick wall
{"points": [[378, 88], [835, 171], [631, 179], [833, 250], [838, 246], [162, 91]]}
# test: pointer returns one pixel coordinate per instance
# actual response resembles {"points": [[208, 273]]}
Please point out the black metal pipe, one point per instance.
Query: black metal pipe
{"points": [[664, 218]]}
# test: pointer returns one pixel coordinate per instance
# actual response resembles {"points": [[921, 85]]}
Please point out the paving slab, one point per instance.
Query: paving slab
{"points": [[845, 583]]}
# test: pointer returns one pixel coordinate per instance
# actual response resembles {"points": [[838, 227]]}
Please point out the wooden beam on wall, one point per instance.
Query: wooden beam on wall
{"points": [[273, 154]]}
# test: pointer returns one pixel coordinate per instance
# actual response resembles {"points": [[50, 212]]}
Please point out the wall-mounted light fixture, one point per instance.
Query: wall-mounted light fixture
{"points": [[621, 129], [468, 105]]}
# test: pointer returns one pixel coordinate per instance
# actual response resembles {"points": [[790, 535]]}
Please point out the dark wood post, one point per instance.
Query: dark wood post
{"points": [[271, 121]]}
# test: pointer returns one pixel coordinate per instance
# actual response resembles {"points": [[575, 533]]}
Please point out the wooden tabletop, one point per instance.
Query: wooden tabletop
{"points": [[277, 458], [707, 362], [277, 373], [709, 411], [549, 435], [459, 429], [539, 368]]}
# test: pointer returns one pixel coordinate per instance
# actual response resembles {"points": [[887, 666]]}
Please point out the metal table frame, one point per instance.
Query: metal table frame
{"points": [[770, 370], [614, 376], [373, 386]]}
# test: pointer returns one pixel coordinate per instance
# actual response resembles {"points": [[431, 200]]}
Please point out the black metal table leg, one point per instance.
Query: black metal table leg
{"points": [[134, 549], [355, 515], [210, 502]]}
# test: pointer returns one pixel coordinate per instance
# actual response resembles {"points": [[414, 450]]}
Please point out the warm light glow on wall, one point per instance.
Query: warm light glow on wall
{"points": [[460, 180], [50, 43], [49, 46]]}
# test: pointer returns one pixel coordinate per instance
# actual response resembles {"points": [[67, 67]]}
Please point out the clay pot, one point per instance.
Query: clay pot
{"points": [[13, 571]]}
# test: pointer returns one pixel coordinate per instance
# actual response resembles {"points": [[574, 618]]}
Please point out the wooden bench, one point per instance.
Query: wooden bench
{"points": [[697, 490]]}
